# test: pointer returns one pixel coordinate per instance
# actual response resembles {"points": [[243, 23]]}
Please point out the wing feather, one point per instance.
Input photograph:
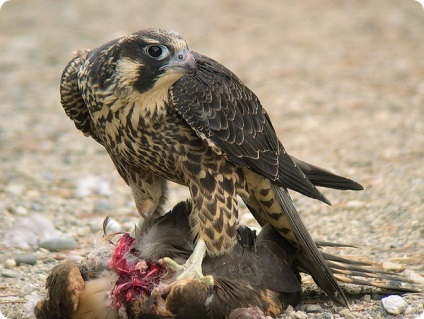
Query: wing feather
{"points": [[217, 105], [225, 113], [71, 97]]}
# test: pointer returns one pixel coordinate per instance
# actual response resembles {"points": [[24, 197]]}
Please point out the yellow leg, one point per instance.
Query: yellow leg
{"points": [[192, 268]]}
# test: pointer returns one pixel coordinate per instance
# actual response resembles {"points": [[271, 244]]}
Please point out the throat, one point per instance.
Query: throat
{"points": [[153, 102], [143, 107]]}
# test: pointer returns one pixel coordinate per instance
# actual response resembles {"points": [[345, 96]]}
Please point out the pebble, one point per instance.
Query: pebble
{"points": [[388, 265], [9, 263], [59, 244], [93, 184], [9, 274], [408, 310], [27, 259], [350, 316], [327, 315], [75, 258], [102, 206], [366, 298], [38, 207], [300, 315], [394, 305], [42, 277], [289, 309], [313, 308], [14, 189], [410, 274], [27, 289], [18, 210], [344, 312], [355, 204], [357, 315]]}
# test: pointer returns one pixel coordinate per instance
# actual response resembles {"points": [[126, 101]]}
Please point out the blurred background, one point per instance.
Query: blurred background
{"points": [[343, 82]]}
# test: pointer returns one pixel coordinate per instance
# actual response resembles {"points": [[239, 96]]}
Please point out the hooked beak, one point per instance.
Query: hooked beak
{"points": [[183, 61]]}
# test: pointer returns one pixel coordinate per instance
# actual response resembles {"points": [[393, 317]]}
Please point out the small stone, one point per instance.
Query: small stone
{"points": [[350, 316], [300, 315], [9, 274], [366, 298], [289, 309], [18, 210], [394, 305], [102, 206], [355, 204], [37, 207], [93, 184], [388, 265], [59, 244], [27, 259], [41, 251], [49, 260], [313, 308], [9, 263], [408, 310], [27, 289], [414, 276], [327, 315], [75, 258], [344, 312], [14, 189], [42, 277]]}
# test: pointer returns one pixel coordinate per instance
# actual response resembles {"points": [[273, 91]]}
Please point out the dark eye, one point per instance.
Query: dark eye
{"points": [[157, 51]]}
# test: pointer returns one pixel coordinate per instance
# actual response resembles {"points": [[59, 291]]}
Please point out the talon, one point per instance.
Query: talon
{"points": [[210, 288], [172, 264], [192, 268]]}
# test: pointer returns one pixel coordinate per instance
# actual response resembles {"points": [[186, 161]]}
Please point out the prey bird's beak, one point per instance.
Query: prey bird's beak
{"points": [[182, 61]]}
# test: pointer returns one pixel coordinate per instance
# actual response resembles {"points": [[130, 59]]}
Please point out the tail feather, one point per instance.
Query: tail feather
{"points": [[291, 176], [398, 285], [368, 274], [330, 257], [321, 243], [309, 256], [324, 178]]}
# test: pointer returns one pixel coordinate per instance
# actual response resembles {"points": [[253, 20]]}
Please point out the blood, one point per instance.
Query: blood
{"points": [[136, 277]]}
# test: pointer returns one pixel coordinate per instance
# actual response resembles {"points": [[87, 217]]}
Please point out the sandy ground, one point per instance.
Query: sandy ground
{"points": [[341, 80]]}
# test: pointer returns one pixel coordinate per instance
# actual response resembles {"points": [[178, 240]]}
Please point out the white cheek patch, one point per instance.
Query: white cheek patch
{"points": [[128, 71], [141, 105]]}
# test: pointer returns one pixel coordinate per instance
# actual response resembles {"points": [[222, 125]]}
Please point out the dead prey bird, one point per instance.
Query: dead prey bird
{"points": [[124, 278]]}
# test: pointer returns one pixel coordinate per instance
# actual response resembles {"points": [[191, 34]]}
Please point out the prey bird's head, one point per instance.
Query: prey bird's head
{"points": [[153, 58]]}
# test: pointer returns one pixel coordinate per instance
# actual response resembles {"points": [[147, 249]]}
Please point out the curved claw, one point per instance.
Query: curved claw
{"points": [[192, 268]]}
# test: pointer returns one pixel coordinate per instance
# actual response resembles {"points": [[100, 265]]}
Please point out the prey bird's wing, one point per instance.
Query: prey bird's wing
{"points": [[226, 114]]}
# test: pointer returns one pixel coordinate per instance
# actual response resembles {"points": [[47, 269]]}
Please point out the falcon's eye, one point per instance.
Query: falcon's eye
{"points": [[157, 52]]}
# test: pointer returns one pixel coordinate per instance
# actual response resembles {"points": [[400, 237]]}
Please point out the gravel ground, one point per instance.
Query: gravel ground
{"points": [[341, 80]]}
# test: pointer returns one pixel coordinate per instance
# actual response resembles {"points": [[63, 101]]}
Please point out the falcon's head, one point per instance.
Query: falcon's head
{"points": [[153, 59]]}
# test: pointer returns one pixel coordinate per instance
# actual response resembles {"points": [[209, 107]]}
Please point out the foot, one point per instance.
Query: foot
{"points": [[193, 266]]}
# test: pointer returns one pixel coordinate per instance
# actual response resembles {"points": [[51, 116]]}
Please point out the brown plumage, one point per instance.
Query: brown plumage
{"points": [[164, 112], [260, 277]]}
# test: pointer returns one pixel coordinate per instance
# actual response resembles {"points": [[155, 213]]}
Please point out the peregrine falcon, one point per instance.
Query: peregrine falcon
{"points": [[166, 113]]}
